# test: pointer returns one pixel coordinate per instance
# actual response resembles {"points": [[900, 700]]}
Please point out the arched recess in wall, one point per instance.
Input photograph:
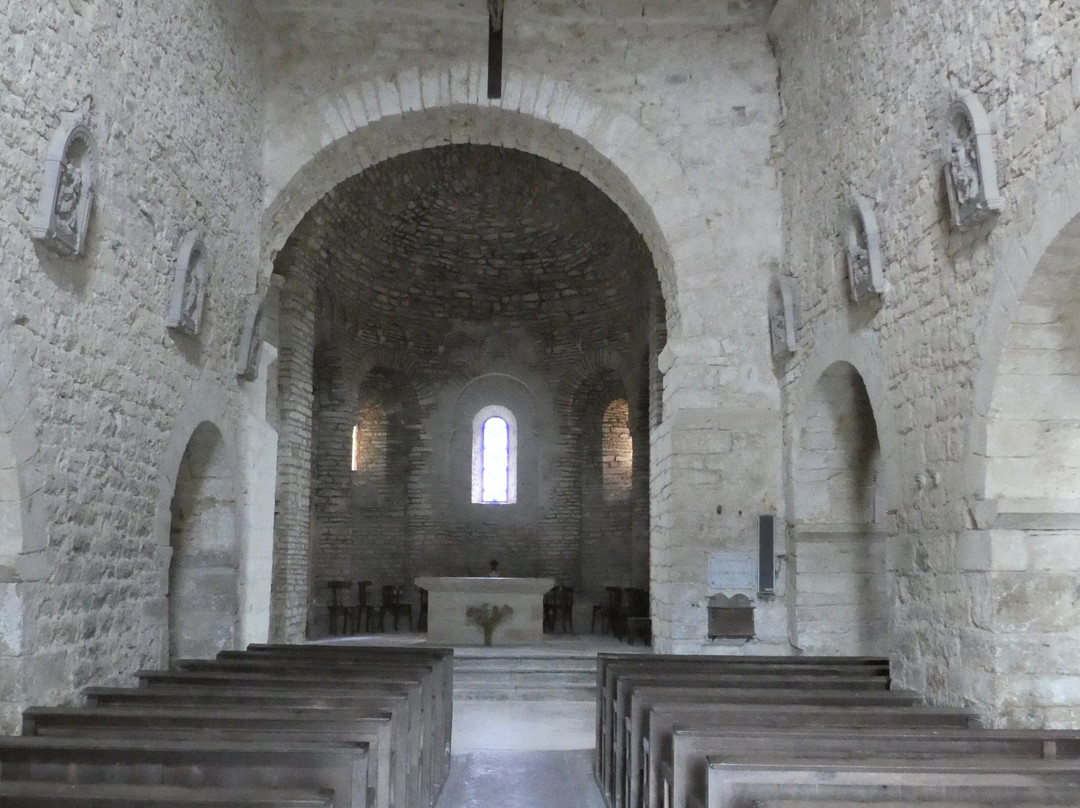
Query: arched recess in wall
{"points": [[509, 531], [366, 509], [22, 534], [203, 596], [1028, 520], [605, 439], [838, 584], [334, 138]]}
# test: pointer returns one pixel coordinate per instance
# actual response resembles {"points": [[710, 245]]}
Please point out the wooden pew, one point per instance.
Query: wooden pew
{"points": [[831, 803], [281, 681], [691, 748], [341, 769], [441, 658], [659, 709], [339, 667], [387, 777], [36, 794], [758, 679], [610, 667], [740, 781]]}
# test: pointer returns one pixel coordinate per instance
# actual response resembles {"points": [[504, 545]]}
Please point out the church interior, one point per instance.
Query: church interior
{"points": [[762, 306]]}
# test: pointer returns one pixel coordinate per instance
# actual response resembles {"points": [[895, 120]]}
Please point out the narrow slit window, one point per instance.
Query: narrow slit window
{"points": [[494, 466]]}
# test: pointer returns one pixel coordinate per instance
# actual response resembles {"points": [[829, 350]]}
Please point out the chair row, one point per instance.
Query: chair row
{"points": [[624, 614], [807, 732], [271, 727], [364, 614]]}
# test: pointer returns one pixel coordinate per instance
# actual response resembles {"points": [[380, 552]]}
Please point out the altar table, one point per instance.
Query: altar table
{"points": [[449, 598]]}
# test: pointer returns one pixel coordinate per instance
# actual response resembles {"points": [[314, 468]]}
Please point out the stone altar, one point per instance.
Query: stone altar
{"points": [[448, 598]]}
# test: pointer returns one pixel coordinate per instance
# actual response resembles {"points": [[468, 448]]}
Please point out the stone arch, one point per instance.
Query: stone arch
{"points": [[1024, 468], [197, 530], [1032, 443], [203, 596], [1040, 251], [345, 131], [22, 536], [839, 589], [608, 540]]}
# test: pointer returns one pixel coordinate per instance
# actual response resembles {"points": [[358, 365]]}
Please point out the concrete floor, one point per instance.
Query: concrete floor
{"points": [[520, 754]]}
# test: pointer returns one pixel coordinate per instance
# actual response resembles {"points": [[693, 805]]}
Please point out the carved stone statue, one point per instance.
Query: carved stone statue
{"points": [[250, 346], [970, 169], [68, 195], [781, 319], [189, 284], [865, 276], [63, 215]]}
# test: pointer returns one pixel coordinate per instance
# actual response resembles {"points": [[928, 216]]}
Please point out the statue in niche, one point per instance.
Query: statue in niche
{"points": [[63, 215], [865, 276], [189, 284], [250, 347], [68, 195], [963, 168], [781, 319], [970, 169]]}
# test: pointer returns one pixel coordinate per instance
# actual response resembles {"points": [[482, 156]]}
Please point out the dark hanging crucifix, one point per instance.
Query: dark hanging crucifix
{"points": [[495, 29]]}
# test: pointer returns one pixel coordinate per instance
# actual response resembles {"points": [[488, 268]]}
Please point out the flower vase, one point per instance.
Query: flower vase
{"points": [[488, 632]]}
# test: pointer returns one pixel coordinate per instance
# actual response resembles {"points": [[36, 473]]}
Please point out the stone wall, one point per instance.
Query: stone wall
{"points": [[451, 280], [671, 110], [95, 378], [929, 352]]}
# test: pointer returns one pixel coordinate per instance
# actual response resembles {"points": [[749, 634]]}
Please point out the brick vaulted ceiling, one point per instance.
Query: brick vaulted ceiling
{"points": [[446, 238]]}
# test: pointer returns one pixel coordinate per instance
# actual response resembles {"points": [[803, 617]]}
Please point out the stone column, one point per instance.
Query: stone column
{"points": [[715, 467], [292, 530]]}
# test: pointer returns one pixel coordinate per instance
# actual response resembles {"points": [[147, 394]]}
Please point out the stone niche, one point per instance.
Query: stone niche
{"points": [[247, 352], [970, 167], [863, 243], [781, 319], [189, 284], [67, 189]]}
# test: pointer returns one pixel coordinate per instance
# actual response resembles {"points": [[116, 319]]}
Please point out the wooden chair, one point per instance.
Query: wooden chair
{"points": [[607, 610], [638, 624], [563, 614], [421, 619], [364, 608], [393, 600], [559, 609], [337, 609], [548, 620]]}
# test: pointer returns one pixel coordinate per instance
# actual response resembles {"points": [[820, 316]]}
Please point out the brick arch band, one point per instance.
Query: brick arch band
{"points": [[341, 133]]}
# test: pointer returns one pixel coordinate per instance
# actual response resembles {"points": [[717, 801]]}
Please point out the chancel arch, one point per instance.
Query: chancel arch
{"points": [[489, 273], [838, 583]]}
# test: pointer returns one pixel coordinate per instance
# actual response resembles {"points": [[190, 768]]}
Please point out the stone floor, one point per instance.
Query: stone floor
{"points": [[521, 779], [520, 754]]}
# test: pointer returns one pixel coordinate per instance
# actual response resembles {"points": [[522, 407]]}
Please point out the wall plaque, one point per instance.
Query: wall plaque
{"points": [[733, 571]]}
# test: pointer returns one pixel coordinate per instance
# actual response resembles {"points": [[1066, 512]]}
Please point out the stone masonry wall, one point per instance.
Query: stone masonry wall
{"points": [[669, 108], [865, 89], [176, 146]]}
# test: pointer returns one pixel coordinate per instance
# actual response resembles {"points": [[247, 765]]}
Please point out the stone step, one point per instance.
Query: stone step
{"points": [[503, 676], [464, 664], [586, 695]]}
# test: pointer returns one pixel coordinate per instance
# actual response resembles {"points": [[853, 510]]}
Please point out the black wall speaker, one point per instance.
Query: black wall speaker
{"points": [[766, 523]]}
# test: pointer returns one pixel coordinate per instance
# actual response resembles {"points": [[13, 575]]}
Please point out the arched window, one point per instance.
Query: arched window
{"points": [[617, 451], [369, 442], [494, 457]]}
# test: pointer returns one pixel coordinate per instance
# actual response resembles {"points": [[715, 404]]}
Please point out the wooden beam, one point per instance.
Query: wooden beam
{"points": [[495, 29]]}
